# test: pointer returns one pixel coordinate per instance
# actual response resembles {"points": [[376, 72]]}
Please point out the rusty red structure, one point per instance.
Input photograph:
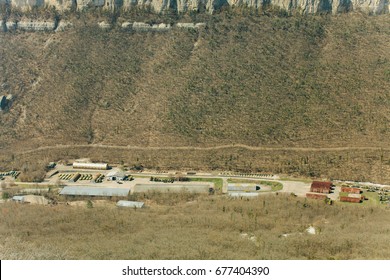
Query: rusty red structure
{"points": [[350, 190], [316, 195], [321, 187], [350, 199]]}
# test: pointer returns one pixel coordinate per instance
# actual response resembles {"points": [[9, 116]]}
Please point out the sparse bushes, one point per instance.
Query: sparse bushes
{"points": [[89, 204], [32, 173], [267, 227], [249, 80], [5, 195]]}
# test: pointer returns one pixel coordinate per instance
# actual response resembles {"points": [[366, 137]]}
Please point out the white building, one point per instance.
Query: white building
{"points": [[116, 175], [90, 165]]}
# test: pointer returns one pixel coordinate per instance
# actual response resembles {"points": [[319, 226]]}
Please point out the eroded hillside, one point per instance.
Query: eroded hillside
{"points": [[317, 81]]}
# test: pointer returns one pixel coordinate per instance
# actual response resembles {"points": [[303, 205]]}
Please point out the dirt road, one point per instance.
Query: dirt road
{"points": [[252, 148]]}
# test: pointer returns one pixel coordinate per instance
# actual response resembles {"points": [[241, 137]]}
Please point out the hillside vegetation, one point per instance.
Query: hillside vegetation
{"points": [[268, 227], [258, 80]]}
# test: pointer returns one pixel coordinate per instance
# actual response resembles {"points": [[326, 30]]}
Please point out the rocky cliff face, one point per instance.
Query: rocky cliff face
{"points": [[305, 6]]}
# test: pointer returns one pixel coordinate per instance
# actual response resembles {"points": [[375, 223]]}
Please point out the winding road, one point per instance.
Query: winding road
{"points": [[220, 147]]}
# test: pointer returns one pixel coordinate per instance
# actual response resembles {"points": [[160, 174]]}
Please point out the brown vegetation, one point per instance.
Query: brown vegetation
{"points": [[207, 227], [266, 80]]}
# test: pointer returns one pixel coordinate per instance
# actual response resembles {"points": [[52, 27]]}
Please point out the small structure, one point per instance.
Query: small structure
{"points": [[18, 198], [131, 204], [116, 175], [90, 165], [321, 187], [351, 199], [316, 196], [51, 165], [350, 190]]}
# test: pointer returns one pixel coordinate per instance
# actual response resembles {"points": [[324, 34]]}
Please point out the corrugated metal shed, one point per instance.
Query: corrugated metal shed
{"points": [[131, 204], [90, 165], [116, 175], [18, 198], [95, 191]]}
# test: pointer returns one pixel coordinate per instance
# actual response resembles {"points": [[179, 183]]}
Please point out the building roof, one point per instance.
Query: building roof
{"points": [[18, 198], [95, 191], [116, 173], [321, 185], [90, 165], [356, 195], [132, 204]]}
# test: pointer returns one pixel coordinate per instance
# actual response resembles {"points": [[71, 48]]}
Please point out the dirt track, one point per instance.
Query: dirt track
{"points": [[253, 148]]}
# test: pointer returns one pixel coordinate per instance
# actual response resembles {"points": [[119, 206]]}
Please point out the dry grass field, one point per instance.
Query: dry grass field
{"points": [[260, 80], [197, 227]]}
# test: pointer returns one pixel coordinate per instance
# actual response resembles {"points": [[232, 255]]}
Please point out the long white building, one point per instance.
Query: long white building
{"points": [[90, 165]]}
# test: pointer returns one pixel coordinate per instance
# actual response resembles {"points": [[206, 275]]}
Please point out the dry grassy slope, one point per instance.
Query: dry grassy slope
{"points": [[315, 81], [213, 224]]}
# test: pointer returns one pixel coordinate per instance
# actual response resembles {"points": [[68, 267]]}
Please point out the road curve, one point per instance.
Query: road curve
{"points": [[220, 147]]}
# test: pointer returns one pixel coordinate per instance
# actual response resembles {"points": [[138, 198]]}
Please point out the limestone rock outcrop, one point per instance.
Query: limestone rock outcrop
{"points": [[141, 26], [30, 25], [64, 25], [190, 25], [304, 6], [104, 25]]}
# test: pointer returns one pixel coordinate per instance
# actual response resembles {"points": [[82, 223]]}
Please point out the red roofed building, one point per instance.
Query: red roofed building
{"points": [[351, 199], [321, 187], [350, 190]]}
